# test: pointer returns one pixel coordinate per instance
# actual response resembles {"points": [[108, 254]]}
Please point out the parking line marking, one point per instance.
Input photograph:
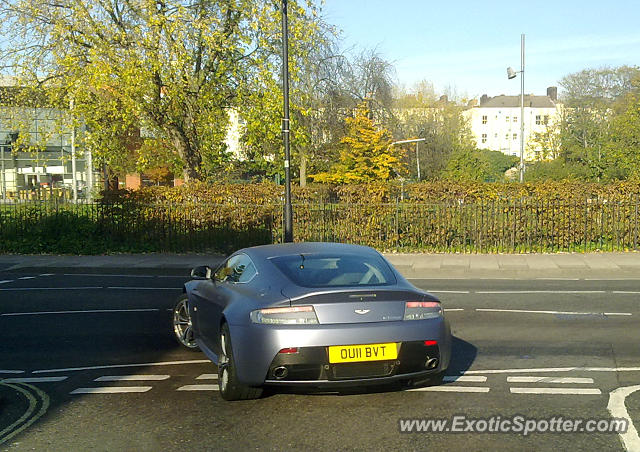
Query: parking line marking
{"points": [[107, 276], [6, 281], [569, 391], [133, 378], [94, 311], [27, 277], [33, 380], [4, 371], [207, 377], [111, 390], [451, 389], [52, 288], [142, 288], [538, 291], [118, 366], [199, 388], [465, 378], [618, 410], [553, 369], [525, 311], [549, 380]]}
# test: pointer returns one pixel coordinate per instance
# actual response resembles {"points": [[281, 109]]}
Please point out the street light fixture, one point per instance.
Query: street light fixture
{"points": [[511, 74], [288, 209]]}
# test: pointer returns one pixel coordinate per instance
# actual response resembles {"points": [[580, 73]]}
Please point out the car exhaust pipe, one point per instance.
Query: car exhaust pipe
{"points": [[431, 363], [280, 372]]}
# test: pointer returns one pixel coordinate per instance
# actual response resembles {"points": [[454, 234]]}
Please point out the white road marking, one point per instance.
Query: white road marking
{"points": [[558, 279], [94, 311], [52, 288], [26, 419], [465, 378], [617, 409], [553, 369], [33, 380], [199, 388], [46, 274], [525, 311], [6, 281], [142, 288], [119, 366], [454, 309], [4, 371], [448, 291], [632, 292], [111, 390], [207, 377], [451, 389], [107, 276], [568, 380], [27, 277], [538, 291], [567, 391], [133, 378]]}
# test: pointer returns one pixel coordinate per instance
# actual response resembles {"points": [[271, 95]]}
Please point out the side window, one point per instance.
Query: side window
{"points": [[222, 272], [238, 269]]}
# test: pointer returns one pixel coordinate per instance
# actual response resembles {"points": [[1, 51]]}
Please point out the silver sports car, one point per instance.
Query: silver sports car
{"points": [[313, 314]]}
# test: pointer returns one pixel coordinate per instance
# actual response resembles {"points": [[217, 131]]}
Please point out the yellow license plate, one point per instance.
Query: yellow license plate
{"points": [[358, 353]]}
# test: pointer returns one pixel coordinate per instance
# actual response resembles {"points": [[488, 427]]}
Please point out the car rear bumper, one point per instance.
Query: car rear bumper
{"points": [[256, 348]]}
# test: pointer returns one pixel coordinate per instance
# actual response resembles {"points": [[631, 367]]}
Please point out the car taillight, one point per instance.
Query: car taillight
{"points": [[295, 315], [430, 343], [420, 310], [288, 351]]}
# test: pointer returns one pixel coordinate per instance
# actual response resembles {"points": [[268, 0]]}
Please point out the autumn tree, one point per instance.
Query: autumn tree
{"points": [[366, 153], [170, 69]]}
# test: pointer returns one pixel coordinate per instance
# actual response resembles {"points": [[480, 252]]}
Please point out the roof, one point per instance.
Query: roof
{"points": [[514, 101], [284, 249]]}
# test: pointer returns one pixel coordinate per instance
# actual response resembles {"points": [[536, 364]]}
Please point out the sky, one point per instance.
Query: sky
{"points": [[465, 46]]}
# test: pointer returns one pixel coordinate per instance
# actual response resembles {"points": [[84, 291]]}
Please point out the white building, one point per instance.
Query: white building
{"points": [[495, 122]]}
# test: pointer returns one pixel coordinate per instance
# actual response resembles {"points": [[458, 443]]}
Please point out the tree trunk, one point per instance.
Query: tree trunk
{"points": [[190, 155]]}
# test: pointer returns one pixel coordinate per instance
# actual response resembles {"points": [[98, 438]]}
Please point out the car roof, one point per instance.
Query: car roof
{"points": [[285, 249]]}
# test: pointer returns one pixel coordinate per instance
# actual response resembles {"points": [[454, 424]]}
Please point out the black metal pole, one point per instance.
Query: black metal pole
{"points": [[288, 209]]}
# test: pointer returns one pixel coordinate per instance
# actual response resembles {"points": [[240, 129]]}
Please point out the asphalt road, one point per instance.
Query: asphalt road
{"points": [[88, 363]]}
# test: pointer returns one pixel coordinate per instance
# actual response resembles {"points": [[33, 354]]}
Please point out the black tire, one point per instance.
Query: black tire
{"points": [[230, 388], [181, 324]]}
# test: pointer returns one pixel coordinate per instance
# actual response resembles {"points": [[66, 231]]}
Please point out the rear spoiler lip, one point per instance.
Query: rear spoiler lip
{"points": [[363, 294]]}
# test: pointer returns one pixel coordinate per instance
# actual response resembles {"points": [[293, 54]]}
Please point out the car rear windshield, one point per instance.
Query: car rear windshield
{"points": [[330, 270]]}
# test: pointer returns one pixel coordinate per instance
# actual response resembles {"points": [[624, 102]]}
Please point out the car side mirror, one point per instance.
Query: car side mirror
{"points": [[202, 272]]}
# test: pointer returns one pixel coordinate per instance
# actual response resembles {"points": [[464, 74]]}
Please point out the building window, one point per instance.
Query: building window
{"points": [[484, 137], [507, 118], [506, 136], [538, 120], [546, 119], [515, 119], [484, 119], [515, 136]]}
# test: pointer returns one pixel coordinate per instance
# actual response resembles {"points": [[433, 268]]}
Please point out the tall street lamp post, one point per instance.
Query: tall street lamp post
{"points": [[512, 74], [288, 209]]}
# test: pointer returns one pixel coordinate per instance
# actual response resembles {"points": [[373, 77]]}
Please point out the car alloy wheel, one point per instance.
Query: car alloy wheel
{"points": [[182, 325], [230, 387]]}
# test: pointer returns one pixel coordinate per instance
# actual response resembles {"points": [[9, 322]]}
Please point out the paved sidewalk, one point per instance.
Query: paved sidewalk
{"points": [[419, 265]]}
